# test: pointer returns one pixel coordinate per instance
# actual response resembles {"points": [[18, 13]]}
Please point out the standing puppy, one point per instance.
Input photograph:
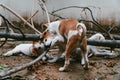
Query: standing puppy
{"points": [[67, 34]]}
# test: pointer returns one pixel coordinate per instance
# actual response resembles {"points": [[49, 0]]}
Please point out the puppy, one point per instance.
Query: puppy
{"points": [[67, 34], [93, 50], [31, 49]]}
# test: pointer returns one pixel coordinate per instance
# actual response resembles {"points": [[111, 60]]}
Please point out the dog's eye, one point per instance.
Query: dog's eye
{"points": [[45, 40]]}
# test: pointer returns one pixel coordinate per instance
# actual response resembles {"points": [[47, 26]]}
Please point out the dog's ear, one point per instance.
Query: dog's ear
{"points": [[34, 42], [45, 25], [43, 34]]}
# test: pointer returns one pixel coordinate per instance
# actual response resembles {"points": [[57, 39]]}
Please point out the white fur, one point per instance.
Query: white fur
{"points": [[94, 49], [23, 48], [71, 33], [97, 36], [83, 25], [75, 32], [54, 28]]}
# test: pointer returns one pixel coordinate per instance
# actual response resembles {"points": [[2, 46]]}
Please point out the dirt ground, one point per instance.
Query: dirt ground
{"points": [[99, 69]]}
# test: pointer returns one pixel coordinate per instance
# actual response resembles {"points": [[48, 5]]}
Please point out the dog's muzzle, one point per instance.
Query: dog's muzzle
{"points": [[48, 46]]}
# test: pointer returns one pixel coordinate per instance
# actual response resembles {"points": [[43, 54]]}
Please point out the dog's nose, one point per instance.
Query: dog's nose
{"points": [[48, 46]]}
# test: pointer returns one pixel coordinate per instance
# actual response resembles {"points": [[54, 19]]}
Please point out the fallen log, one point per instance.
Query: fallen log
{"points": [[20, 37], [23, 66], [105, 43], [20, 17], [32, 37]]}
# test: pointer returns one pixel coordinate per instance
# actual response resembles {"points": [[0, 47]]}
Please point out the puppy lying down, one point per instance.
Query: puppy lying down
{"points": [[35, 49], [31, 49], [93, 50]]}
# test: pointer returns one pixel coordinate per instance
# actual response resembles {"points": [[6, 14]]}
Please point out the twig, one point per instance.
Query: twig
{"points": [[8, 24], [33, 15], [19, 37], [21, 18], [98, 25], [30, 19], [45, 9], [0, 21], [23, 66], [11, 24]]}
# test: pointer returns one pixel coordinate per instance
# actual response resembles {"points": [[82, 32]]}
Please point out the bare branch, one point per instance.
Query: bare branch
{"points": [[33, 15], [32, 37], [91, 13], [45, 8], [21, 18], [0, 21], [106, 43], [20, 37], [23, 66]]}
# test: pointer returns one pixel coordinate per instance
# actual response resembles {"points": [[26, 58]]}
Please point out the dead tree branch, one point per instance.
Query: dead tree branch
{"points": [[91, 13], [105, 43], [8, 24], [21, 18], [33, 15], [23, 66], [32, 37], [30, 19], [20, 37], [45, 9]]}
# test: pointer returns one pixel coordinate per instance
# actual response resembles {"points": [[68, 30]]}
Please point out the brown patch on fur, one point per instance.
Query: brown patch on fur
{"points": [[67, 25], [75, 40], [36, 52]]}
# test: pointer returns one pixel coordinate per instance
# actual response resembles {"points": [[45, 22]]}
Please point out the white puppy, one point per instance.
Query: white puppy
{"points": [[93, 50], [30, 49]]}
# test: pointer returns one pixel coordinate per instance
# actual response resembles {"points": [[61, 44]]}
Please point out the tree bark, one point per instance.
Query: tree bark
{"points": [[106, 43], [20, 17], [32, 37], [20, 37]]}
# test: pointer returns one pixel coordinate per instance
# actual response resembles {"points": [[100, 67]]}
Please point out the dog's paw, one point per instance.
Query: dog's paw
{"points": [[85, 67], [61, 69], [7, 54], [44, 58], [52, 60]]}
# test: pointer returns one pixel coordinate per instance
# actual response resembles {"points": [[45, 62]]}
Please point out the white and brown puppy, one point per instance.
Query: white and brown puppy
{"points": [[31, 49], [67, 34]]}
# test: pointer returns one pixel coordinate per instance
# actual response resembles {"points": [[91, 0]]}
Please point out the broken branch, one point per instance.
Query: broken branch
{"points": [[33, 15], [106, 43], [91, 13], [45, 9], [20, 37], [32, 37], [21, 18], [23, 66]]}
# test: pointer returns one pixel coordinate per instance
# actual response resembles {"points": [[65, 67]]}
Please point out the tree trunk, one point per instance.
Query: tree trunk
{"points": [[106, 43], [32, 37], [20, 37]]}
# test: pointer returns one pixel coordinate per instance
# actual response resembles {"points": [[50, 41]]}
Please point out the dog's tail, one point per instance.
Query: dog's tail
{"points": [[81, 29]]}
